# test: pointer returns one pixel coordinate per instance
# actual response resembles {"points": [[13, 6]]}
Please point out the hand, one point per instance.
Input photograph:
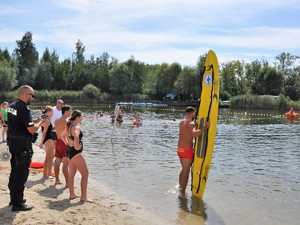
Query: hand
{"points": [[196, 123], [41, 145], [207, 125], [41, 119]]}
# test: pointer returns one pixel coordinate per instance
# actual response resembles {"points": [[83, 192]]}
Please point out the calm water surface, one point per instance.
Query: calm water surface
{"points": [[254, 176]]}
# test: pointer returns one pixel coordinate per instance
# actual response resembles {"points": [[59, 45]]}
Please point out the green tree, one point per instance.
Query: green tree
{"points": [[150, 80], [8, 76], [98, 71], [241, 78], [228, 79], [254, 82], [166, 78], [185, 84], [120, 80], [78, 55], [233, 79], [65, 70], [78, 78], [27, 58], [43, 78], [201, 64], [4, 55], [292, 84], [138, 73], [286, 63], [272, 80]]}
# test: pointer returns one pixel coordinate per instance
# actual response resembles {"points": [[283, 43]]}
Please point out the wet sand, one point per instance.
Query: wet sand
{"points": [[52, 206]]}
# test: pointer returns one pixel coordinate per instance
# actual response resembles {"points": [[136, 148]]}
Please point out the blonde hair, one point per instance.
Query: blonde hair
{"points": [[47, 108], [3, 104]]}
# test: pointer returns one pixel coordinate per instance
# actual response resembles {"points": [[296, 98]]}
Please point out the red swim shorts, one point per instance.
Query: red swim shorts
{"points": [[60, 149], [185, 152]]}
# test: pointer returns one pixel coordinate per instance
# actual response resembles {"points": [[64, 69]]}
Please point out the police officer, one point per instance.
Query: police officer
{"points": [[20, 134]]}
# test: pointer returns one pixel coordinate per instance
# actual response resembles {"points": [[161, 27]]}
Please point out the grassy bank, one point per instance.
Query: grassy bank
{"points": [[263, 102], [46, 96]]}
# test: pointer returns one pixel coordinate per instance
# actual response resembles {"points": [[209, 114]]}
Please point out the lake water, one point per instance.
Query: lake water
{"points": [[254, 176]]}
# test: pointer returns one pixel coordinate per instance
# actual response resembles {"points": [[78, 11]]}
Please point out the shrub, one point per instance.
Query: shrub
{"points": [[282, 102], [91, 91], [225, 95], [253, 101]]}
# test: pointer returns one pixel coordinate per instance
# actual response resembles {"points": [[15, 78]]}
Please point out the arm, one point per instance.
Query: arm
{"points": [[33, 129], [2, 117], [64, 136], [196, 132], [77, 144], [46, 125]]}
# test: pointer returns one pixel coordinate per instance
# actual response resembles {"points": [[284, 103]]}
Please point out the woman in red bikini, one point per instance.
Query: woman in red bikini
{"points": [[187, 132]]}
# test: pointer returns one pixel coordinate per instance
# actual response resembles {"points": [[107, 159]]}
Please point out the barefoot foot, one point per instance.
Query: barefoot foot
{"points": [[73, 197]]}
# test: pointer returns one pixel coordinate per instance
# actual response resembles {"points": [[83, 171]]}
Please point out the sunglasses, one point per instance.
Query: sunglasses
{"points": [[31, 95]]}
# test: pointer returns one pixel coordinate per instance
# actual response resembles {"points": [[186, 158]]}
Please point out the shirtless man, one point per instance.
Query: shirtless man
{"points": [[60, 145], [187, 132]]}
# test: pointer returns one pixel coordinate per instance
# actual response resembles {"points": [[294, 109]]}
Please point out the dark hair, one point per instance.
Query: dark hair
{"points": [[47, 108], [75, 114], [189, 109], [65, 108]]}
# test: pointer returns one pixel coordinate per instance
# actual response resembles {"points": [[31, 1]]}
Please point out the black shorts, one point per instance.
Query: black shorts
{"points": [[54, 136]]}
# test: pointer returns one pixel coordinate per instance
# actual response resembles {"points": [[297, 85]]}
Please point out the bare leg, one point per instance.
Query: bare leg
{"points": [[80, 163], [49, 158], [184, 174], [72, 172], [56, 170], [4, 133], [65, 169], [180, 174]]}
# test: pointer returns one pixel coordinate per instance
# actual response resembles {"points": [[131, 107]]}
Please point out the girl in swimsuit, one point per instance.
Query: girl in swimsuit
{"points": [[47, 141], [76, 159], [3, 114]]}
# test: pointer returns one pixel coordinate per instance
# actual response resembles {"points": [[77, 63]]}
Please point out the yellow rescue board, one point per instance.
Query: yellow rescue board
{"points": [[207, 111]]}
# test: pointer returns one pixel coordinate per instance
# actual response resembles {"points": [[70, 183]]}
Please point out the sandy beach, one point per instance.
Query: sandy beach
{"points": [[52, 206]]}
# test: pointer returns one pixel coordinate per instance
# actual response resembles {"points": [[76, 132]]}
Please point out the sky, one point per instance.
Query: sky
{"points": [[156, 31]]}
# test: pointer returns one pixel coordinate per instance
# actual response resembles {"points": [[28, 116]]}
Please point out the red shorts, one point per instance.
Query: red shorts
{"points": [[185, 152], [60, 149]]}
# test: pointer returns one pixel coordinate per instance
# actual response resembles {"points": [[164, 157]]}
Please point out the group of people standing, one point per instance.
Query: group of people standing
{"points": [[61, 136]]}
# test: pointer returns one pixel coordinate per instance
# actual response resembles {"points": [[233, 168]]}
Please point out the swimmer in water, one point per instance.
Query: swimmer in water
{"points": [[120, 116], [112, 116], [138, 118]]}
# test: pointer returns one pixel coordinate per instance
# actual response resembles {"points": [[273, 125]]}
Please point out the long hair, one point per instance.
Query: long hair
{"points": [[75, 114]]}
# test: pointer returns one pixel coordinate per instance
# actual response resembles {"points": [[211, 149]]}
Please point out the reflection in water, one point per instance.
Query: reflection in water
{"points": [[192, 205], [191, 210]]}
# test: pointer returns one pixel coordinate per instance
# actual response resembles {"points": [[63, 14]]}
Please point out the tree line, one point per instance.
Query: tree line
{"points": [[133, 78]]}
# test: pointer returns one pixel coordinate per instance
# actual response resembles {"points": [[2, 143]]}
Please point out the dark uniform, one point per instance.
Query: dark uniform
{"points": [[20, 147]]}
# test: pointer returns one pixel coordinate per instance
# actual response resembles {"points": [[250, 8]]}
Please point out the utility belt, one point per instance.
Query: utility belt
{"points": [[13, 136], [31, 138], [24, 157]]}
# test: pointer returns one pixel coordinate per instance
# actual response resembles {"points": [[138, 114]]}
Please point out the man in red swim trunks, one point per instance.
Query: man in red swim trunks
{"points": [[60, 145], [187, 132]]}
